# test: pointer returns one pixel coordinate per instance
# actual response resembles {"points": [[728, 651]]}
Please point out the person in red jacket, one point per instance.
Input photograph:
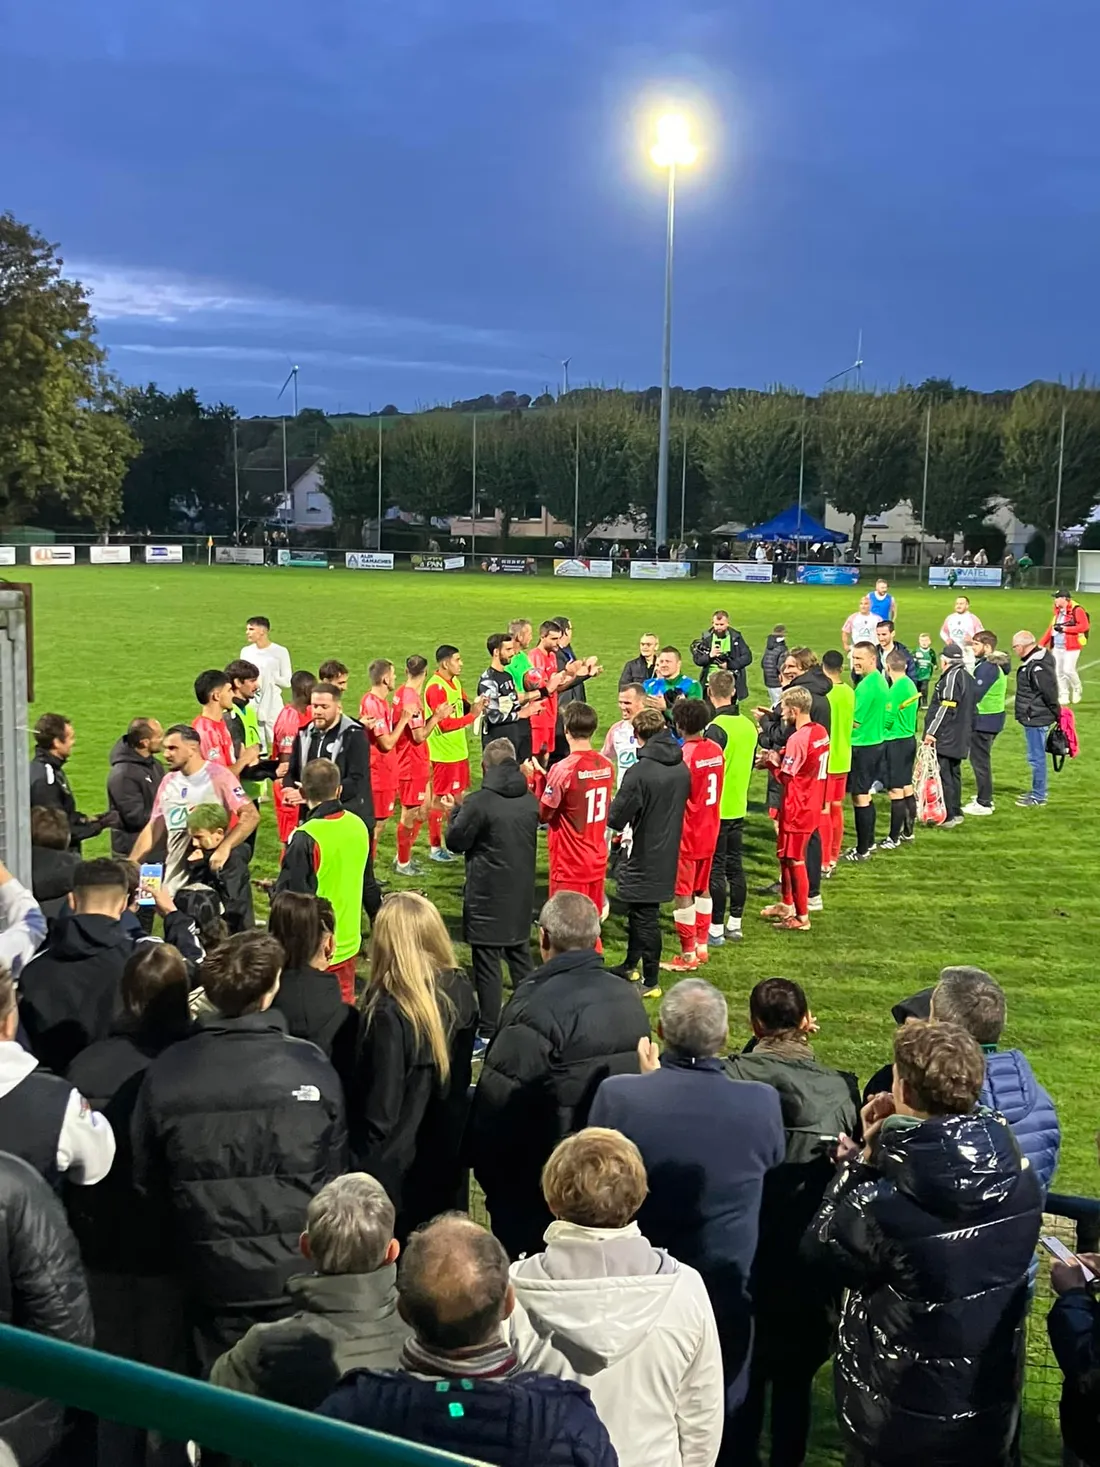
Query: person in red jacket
{"points": [[1066, 636]]}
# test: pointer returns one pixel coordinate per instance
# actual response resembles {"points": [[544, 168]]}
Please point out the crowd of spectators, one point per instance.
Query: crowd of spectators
{"points": [[211, 1163]]}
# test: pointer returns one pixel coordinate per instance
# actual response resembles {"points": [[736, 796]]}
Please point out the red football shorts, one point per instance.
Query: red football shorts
{"points": [[836, 787], [451, 779], [693, 875], [791, 844], [286, 816], [411, 793], [384, 800], [345, 972], [593, 890]]}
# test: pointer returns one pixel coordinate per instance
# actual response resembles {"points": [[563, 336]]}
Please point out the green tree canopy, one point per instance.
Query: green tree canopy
{"points": [[1032, 430], [752, 448], [184, 466], [965, 464], [869, 452]]}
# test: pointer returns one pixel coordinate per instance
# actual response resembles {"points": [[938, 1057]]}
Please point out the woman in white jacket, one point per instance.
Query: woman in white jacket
{"points": [[603, 1307]]}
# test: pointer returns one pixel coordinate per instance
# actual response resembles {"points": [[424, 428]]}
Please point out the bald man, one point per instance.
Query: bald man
{"points": [[459, 1387], [132, 784]]}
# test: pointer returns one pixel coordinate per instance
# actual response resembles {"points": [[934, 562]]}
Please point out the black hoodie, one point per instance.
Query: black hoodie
{"points": [[774, 733], [131, 790], [497, 831], [651, 801], [69, 993]]}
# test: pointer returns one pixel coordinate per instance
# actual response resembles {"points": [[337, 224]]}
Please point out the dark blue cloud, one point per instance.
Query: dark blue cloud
{"points": [[416, 200]]}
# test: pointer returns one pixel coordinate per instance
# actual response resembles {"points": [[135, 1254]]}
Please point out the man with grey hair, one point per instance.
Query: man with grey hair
{"points": [[970, 998], [565, 1028], [346, 1308], [497, 830], [707, 1143], [459, 1387]]}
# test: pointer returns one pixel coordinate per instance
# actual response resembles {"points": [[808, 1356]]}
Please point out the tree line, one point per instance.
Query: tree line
{"points": [[79, 447]]}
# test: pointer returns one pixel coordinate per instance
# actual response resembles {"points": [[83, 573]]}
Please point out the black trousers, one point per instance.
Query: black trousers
{"points": [[489, 982], [813, 863], [981, 762], [951, 779], [788, 1366], [727, 872], [643, 939], [372, 892]]}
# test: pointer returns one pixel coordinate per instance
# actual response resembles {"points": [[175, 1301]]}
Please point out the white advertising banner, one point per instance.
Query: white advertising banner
{"points": [[369, 559], [164, 555], [53, 555], [596, 570], [7, 554], [742, 570], [109, 554], [660, 570], [964, 575], [238, 555]]}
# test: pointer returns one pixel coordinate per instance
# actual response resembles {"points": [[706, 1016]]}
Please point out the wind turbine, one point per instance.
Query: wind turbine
{"points": [[565, 376], [293, 377], [856, 367]]}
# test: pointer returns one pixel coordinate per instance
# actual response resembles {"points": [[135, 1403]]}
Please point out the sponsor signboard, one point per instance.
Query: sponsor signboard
{"points": [[53, 555], [660, 570], [509, 565], [742, 570], [164, 555], [368, 559], [315, 559], [595, 570], [7, 554], [964, 575], [438, 562], [109, 554], [828, 575], [238, 555]]}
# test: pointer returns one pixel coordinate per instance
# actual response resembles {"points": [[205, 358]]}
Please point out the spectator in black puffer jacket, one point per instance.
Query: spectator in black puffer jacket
{"points": [[309, 996], [565, 1029], [771, 663], [42, 1289], [235, 1129], [932, 1227]]}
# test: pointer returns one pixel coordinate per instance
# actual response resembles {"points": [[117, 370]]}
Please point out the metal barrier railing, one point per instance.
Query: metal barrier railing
{"points": [[183, 1410]]}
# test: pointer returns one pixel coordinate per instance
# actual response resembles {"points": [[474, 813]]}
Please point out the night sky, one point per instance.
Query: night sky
{"points": [[419, 201]]}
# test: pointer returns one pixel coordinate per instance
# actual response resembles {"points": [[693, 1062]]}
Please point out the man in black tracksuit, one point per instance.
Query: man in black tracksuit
{"points": [[496, 829], [53, 744], [132, 785], [236, 1128], [723, 646], [333, 735], [949, 726], [651, 801], [990, 695]]}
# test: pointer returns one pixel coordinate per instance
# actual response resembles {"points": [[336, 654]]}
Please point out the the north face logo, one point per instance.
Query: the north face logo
{"points": [[306, 1092]]}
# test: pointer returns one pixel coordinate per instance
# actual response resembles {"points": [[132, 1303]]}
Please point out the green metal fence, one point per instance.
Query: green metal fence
{"points": [[185, 1410]]}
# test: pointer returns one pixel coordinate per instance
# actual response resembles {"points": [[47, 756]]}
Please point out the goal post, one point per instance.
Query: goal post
{"points": [[15, 793], [1088, 571]]}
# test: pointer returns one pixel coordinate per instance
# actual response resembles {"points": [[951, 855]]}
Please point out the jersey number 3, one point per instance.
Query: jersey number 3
{"points": [[712, 790]]}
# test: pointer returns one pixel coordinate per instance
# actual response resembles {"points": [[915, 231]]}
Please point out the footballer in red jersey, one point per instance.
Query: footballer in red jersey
{"points": [[544, 674], [384, 723], [574, 804], [292, 718], [414, 765], [692, 903], [803, 772]]}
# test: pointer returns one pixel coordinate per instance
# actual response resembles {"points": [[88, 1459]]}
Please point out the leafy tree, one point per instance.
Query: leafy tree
{"points": [[427, 465], [965, 464], [504, 473], [53, 387], [752, 451], [1032, 430], [614, 446], [869, 452], [940, 389], [184, 466], [351, 474]]}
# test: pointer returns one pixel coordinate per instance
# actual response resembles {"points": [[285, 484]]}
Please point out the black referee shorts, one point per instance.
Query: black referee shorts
{"points": [[868, 767], [900, 756]]}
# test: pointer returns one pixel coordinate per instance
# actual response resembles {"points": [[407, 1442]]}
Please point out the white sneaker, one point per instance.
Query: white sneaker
{"points": [[974, 808], [1077, 697], [815, 904]]}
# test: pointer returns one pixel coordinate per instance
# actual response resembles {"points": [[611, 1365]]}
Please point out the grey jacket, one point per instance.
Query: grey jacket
{"points": [[343, 1322]]}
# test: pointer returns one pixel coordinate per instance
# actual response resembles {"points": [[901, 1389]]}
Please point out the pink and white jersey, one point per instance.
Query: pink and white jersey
{"points": [[177, 796]]}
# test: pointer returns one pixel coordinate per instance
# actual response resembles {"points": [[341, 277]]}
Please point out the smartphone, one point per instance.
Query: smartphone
{"points": [[149, 882], [1058, 1249]]}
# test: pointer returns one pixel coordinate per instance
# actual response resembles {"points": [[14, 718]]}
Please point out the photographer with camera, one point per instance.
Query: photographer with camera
{"points": [[723, 646]]}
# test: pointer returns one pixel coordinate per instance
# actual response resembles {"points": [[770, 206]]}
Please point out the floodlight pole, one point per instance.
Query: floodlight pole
{"points": [[924, 492], [1058, 502], [666, 367]]}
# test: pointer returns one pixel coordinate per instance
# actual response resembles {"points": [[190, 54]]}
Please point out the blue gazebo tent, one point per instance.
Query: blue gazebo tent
{"points": [[787, 526]]}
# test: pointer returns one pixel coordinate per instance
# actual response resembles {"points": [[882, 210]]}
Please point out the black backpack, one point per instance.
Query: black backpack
{"points": [[1057, 746]]}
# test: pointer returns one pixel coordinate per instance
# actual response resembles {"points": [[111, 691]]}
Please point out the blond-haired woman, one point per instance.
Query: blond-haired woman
{"points": [[408, 1105]]}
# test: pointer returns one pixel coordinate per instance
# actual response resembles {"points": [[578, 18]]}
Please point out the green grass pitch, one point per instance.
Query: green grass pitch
{"points": [[1015, 893]]}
